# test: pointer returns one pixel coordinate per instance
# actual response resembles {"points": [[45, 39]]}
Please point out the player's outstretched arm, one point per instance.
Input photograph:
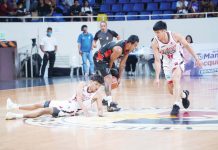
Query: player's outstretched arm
{"points": [[98, 99], [186, 45], [79, 98], [157, 61]]}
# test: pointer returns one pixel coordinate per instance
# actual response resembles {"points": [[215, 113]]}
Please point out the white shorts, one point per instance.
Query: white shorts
{"points": [[168, 69], [66, 107]]}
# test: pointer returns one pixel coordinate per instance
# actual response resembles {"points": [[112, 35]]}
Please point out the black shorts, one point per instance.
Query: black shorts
{"points": [[55, 110], [103, 68]]}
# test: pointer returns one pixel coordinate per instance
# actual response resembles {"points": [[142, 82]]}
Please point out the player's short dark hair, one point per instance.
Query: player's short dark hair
{"points": [[97, 78], [83, 26], [132, 39], [49, 28], [160, 25]]}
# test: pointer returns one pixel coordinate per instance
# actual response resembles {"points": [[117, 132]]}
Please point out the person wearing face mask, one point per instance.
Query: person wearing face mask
{"points": [[84, 41], [48, 46]]}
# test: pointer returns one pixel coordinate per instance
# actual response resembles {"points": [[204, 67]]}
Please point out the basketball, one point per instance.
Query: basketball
{"points": [[114, 84]]}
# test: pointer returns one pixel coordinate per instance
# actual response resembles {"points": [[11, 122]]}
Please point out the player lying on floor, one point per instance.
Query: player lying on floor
{"points": [[86, 94]]}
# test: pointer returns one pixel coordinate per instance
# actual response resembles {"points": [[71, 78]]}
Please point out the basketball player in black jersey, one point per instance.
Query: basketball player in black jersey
{"points": [[104, 63]]}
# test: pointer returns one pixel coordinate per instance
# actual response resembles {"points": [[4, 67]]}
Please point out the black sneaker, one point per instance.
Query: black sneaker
{"points": [[104, 102], [113, 107], [175, 110], [185, 101]]}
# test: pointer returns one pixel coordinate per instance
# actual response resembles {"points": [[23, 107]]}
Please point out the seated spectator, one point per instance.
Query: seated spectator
{"points": [[67, 3], [75, 10], [207, 6], [190, 67], [182, 8], [86, 10], [49, 7], [193, 7], [45, 9], [4, 10], [58, 13], [131, 64], [21, 8], [41, 7], [151, 61]]}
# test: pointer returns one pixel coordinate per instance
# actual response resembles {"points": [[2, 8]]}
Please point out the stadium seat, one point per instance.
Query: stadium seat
{"points": [[156, 13], [128, 7], [165, 6], [173, 7], [138, 7], [119, 16], [132, 17], [135, 1], [152, 6], [123, 1], [105, 8], [168, 16], [146, 1], [110, 2], [144, 17], [116, 8]]}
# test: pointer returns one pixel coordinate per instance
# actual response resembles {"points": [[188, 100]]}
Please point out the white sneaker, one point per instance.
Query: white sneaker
{"points": [[10, 105], [10, 116]]}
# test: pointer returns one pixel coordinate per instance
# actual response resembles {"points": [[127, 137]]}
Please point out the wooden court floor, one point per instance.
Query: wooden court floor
{"points": [[132, 93]]}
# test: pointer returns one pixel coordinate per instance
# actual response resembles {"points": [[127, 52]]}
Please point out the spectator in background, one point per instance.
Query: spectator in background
{"points": [[75, 10], [45, 8], [41, 7], [193, 7], [151, 61], [131, 64], [207, 6], [86, 10], [21, 8], [189, 61], [4, 10], [85, 40], [182, 8], [104, 35], [48, 46], [67, 3]]}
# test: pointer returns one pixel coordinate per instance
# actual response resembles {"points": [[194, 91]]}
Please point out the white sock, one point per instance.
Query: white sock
{"points": [[108, 99], [177, 103], [183, 95]]}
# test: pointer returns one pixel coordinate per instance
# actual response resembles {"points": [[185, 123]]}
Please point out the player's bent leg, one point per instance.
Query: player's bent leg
{"points": [[170, 87], [176, 76]]}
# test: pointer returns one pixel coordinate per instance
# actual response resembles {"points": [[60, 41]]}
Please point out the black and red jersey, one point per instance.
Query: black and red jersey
{"points": [[105, 52]]}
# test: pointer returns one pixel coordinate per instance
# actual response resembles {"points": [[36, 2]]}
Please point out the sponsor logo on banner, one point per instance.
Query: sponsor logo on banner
{"points": [[208, 54]]}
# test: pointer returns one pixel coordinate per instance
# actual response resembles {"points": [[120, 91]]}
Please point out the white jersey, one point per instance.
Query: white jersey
{"points": [[171, 51], [70, 106], [172, 55]]}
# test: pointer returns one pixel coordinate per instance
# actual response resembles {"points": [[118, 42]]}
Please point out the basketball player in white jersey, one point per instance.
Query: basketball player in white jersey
{"points": [[168, 44], [86, 94]]}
